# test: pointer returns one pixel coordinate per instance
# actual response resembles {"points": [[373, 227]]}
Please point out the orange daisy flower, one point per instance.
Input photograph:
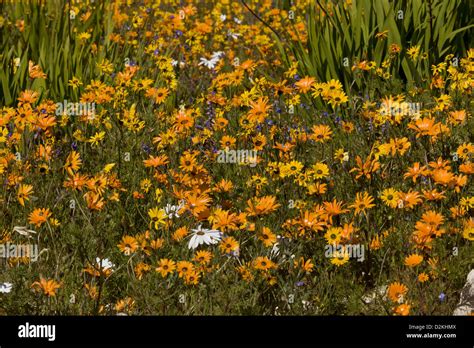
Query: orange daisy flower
{"points": [[165, 267], [320, 133], [23, 192], [156, 161], [267, 237], [403, 309], [73, 163], [262, 206], [39, 216], [259, 110], [263, 263], [49, 287], [396, 291], [305, 84], [413, 260], [362, 202]]}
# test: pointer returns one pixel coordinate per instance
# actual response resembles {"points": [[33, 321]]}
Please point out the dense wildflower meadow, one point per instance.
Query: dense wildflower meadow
{"points": [[236, 157]]}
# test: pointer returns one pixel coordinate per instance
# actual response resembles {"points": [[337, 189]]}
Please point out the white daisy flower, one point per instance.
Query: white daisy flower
{"points": [[5, 288], [204, 236], [172, 210], [275, 250], [104, 264], [223, 17], [217, 55], [209, 63], [233, 35]]}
